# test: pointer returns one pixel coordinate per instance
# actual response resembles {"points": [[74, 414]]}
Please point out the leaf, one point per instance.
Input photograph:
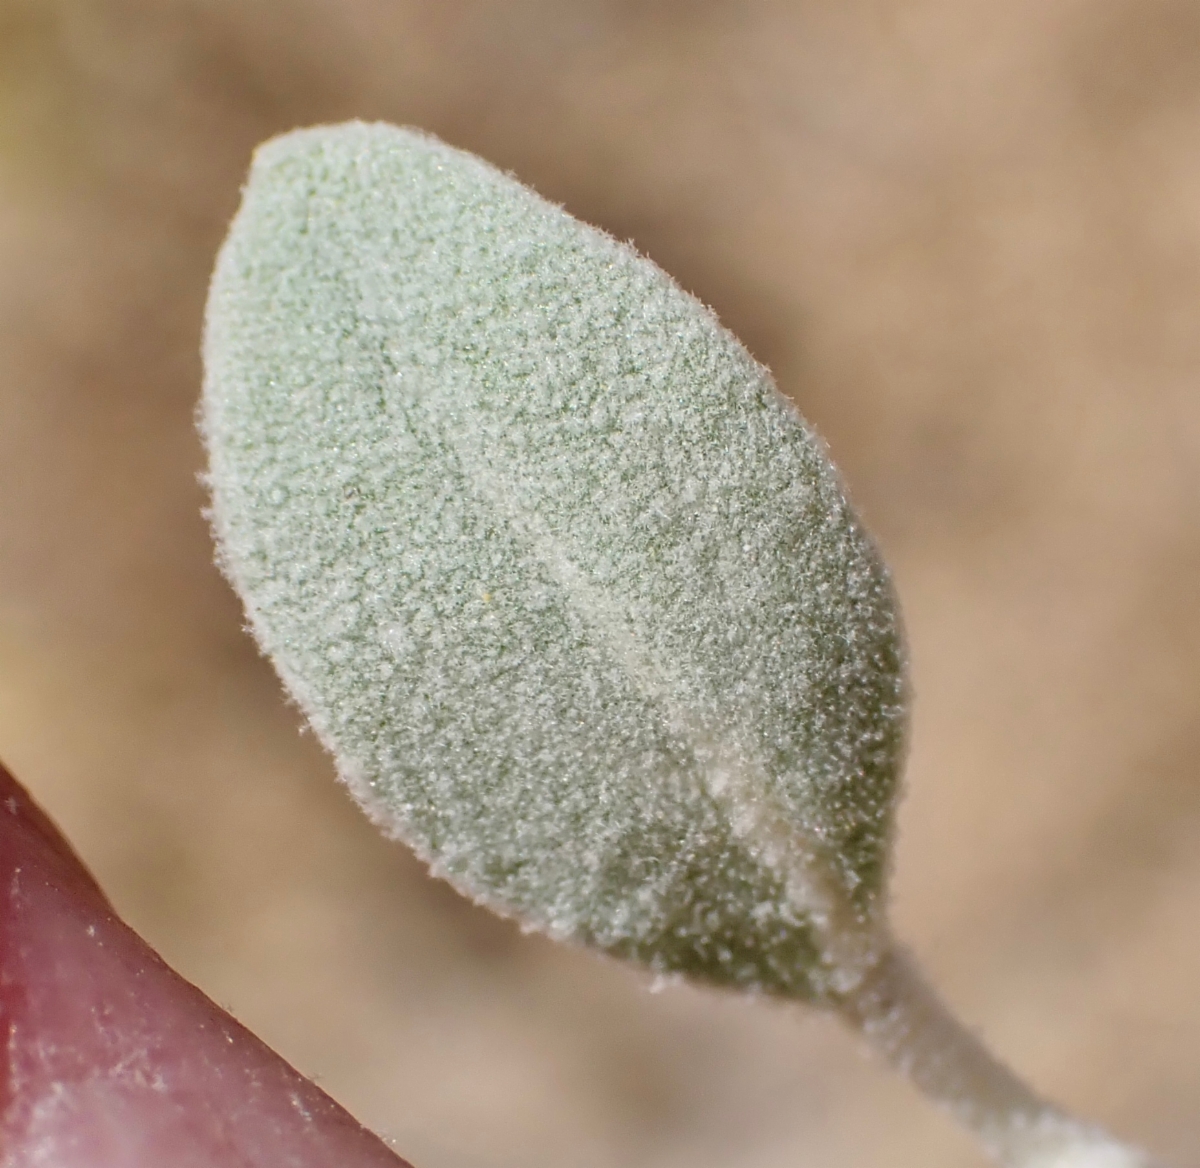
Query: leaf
{"points": [[572, 595]]}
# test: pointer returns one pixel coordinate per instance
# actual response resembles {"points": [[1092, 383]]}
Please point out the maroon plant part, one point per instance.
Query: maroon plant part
{"points": [[112, 1060]]}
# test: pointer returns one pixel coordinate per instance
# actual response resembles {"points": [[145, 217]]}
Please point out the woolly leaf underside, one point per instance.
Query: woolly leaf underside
{"points": [[567, 589]]}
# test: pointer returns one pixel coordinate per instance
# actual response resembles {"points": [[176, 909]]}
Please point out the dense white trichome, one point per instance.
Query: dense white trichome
{"points": [[573, 596], [571, 593]]}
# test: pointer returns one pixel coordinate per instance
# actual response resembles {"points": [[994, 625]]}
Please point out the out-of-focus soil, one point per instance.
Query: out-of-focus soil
{"points": [[966, 237]]}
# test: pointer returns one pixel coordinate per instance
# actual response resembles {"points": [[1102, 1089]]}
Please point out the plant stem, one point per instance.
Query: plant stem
{"points": [[905, 1021]]}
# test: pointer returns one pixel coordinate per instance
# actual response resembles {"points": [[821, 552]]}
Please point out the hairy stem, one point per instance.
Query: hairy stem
{"points": [[904, 1020]]}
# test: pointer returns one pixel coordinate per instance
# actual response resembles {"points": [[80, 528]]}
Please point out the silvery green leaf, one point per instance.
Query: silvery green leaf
{"points": [[573, 596]]}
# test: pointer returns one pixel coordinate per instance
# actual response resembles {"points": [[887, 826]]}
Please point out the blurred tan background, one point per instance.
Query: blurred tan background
{"points": [[965, 235]]}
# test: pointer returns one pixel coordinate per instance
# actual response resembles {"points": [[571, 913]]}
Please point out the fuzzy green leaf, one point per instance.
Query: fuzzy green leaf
{"points": [[573, 596]]}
